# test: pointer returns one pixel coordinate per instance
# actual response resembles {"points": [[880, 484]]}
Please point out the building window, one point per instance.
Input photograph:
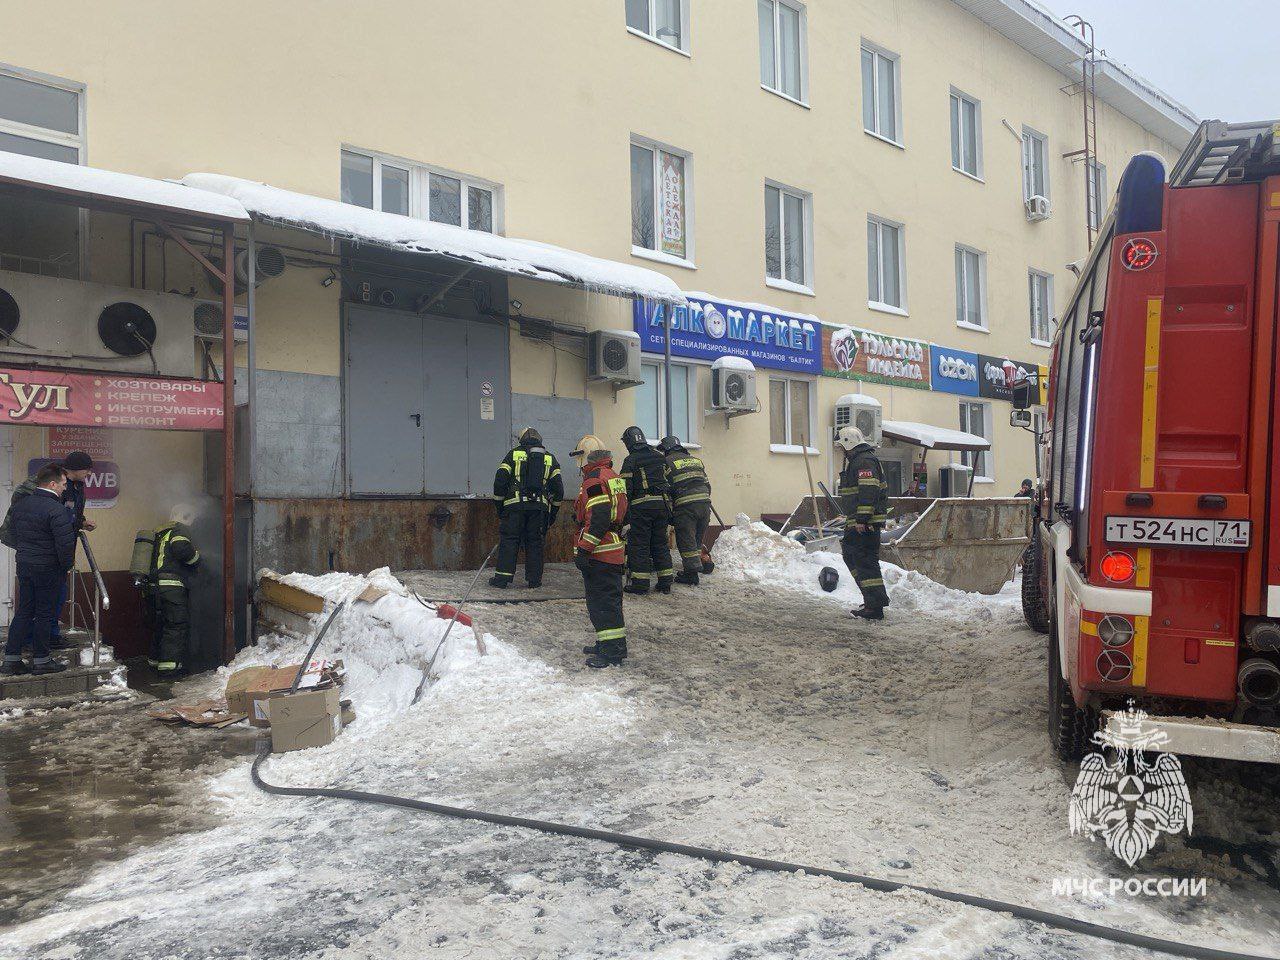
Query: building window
{"points": [[975, 418], [966, 134], [416, 190], [881, 114], [787, 217], [1040, 287], [1035, 164], [665, 21], [1098, 198], [886, 272], [651, 401], [40, 116], [790, 414], [971, 288], [660, 201], [783, 48]]}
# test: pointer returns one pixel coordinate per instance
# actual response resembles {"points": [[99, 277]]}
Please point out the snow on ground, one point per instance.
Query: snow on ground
{"points": [[753, 715]]}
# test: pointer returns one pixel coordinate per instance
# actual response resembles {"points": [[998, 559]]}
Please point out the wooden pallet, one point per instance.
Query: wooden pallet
{"points": [[72, 681]]}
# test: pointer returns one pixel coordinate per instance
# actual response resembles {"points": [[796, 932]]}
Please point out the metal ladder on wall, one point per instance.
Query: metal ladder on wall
{"points": [[1088, 88], [99, 601], [1228, 153]]}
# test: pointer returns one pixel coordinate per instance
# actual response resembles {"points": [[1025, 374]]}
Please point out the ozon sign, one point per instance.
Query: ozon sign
{"points": [[1138, 253]]}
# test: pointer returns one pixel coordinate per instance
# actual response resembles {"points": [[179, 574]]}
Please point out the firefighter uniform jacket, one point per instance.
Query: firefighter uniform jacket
{"points": [[864, 495], [645, 473], [688, 478], [175, 555], [601, 510], [528, 478]]}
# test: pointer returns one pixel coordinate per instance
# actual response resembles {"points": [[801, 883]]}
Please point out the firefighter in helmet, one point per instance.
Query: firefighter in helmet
{"points": [[690, 505], [601, 510], [173, 561], [527, 491], [864, 497], [649, 515]]}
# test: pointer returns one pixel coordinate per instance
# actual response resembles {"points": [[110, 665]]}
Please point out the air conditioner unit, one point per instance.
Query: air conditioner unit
{"points": [[207, 316], [861, 411], [1038, 208], [733, 385], [953, 480], [270, 263], [70, 323], [613, 356]]}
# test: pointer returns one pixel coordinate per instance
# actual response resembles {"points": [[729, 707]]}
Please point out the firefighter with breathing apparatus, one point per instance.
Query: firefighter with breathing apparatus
{"points": [[527, 491], [173, 561], [601, 510], [690, 506], [649, 514], [864, 497]]}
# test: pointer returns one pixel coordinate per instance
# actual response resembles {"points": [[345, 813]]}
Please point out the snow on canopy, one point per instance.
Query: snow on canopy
{"points": [[92, 182], [526, 258], [933, 438]]}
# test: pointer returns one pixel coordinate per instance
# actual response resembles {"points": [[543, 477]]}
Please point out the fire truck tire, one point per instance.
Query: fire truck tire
{"points": [[1070, 728], [1034, 610]]}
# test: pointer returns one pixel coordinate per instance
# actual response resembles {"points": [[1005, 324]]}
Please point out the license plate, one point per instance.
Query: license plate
{"points": [[1179, 532]]}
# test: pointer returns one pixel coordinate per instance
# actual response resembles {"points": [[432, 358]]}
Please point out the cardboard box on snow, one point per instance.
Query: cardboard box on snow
{"points": [[277, 681], [238, 685], [308, 718]]}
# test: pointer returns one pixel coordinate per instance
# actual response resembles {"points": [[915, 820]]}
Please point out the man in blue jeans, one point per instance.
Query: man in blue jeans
{"points": [[45, 537]]}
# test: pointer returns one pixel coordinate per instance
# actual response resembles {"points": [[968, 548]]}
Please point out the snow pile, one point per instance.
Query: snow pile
{"points": [[753, 552]]}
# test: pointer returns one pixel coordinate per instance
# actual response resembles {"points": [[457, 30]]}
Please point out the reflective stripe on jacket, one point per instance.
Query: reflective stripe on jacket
{"points": [[645, 473], [175, 555], [688, 477], [508, 482], [864, 495], [601, 510]]}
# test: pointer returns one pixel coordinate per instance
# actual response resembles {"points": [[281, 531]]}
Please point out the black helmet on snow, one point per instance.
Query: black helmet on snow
{"points": [[633, 439]]}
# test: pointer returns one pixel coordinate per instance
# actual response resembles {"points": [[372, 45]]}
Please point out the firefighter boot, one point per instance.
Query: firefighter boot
{"points": [[868, 613], [638, 587], [664, 584], [687, 577], [610, 654], [499, 580]]}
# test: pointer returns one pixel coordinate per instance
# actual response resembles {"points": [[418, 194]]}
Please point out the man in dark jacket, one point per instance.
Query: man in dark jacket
{"points": [[649, 513], [690, 505], [864, 497], [1028, 489], [45, 538], [527, 492]]}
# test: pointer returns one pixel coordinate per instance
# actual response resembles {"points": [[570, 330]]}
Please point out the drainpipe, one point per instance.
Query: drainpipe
{"points": [[228, 443], [251, 422], [667, 310]]}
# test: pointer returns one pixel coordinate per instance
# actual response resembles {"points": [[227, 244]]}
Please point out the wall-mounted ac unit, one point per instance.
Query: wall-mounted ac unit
{"points": [[1038, 208], [70, 323], [613, 356], [954, 480], [269, 264], [207, 316], [733, 385], [861, 411]]}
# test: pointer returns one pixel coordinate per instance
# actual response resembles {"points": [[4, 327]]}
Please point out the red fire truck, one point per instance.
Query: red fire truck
{"points": [[1155, 565]]}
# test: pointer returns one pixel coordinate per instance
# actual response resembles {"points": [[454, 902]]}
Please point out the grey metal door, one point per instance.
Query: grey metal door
{"points": [[488, 401], [444, 363], [386, 416]]}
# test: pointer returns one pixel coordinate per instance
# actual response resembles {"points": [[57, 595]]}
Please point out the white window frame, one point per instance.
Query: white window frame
{"points": [[1033, 274], [420, 188], [776, 88], [692, 440], [680, 48], [881, 305], [976, 459], [1030, 135], [881, 53], [985, 326], [1096, 179], [782, 283], [977, 172], [658, 148], [792, 446]]}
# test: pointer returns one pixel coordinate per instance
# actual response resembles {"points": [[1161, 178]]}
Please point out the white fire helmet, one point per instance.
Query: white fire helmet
{"points": [[586, 446], [850, 437], [183, 513]]}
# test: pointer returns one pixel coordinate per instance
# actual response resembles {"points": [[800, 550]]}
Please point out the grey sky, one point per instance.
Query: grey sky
{"points": [[1219, 59]]}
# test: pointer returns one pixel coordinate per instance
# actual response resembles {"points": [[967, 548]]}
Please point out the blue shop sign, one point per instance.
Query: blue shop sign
{"points": [[955, 371], [710, 329]]}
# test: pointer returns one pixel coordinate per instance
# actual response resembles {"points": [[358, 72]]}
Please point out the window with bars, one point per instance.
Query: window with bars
{"points": [[966, 134], [886, 270], [787, 257], [416, 190], [971, 294], [783, 47], [1040, 298], [665, 21], [881, 114], [660, 200]]}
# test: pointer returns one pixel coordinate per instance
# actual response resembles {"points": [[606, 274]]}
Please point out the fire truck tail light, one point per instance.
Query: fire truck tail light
{"points": [[1115, 631], [1114, 666], [1118, 567]]}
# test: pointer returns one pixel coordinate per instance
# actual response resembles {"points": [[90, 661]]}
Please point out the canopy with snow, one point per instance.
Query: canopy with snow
{"points": [[933, 438], [526, 258], [109, 190]]}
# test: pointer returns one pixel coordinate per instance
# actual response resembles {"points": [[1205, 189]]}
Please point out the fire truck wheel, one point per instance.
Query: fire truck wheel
{"points": [[1033, 606], [1069, 726]]}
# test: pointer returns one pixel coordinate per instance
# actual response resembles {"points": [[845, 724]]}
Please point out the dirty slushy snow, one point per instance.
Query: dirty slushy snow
{"points": [[754, 715]]}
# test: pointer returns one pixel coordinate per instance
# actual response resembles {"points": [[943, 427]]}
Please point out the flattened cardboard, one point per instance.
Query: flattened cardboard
{"points": [[238, 684], [305, 719]]}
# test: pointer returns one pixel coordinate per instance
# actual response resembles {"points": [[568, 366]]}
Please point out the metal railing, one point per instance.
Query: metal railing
{"points": [[100, 600]]}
